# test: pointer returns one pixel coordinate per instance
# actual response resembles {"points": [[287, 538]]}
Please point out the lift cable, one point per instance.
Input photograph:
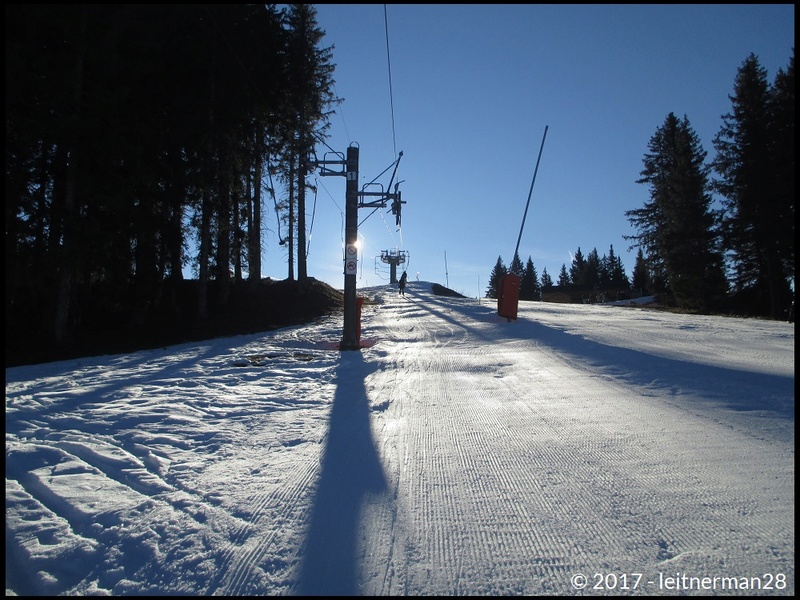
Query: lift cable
{"points": [[397, 206], [281, 240], [389, 63], [313, 215]]}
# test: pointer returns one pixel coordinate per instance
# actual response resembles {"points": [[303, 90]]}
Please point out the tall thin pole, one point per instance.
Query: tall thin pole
{"points": [[446, 276], [350, 333], [536, 170]]}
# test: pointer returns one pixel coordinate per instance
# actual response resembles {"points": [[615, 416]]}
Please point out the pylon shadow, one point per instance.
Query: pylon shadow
{"points": [[351, 470]]}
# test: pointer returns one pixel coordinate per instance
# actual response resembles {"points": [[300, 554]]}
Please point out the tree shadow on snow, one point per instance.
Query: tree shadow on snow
{"points": [[732, 388], [351, 470]]}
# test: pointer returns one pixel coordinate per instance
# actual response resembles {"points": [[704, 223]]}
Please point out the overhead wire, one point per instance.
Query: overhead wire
{"points": [[322, 140], [281, 240], [341, 114], [341, 211], [313, 215], [391, 106], [389, 63]]}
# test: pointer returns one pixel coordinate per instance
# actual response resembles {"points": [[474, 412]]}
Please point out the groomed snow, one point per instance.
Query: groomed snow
{"points": [[578, 450]]}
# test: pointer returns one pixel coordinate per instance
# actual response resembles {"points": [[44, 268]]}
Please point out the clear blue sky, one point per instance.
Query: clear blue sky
{"points": [[473, 88]]}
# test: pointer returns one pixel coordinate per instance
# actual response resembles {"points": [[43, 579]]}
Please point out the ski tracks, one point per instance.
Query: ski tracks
{"points": [[147, 486], [515, 477], [508, 463]]}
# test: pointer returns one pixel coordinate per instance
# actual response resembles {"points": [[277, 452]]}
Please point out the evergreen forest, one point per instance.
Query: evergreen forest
{"points": [[732, 256], [142, 141]]}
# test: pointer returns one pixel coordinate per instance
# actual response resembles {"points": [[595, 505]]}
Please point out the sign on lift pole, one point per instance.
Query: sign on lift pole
{"points": [[350, 329]]}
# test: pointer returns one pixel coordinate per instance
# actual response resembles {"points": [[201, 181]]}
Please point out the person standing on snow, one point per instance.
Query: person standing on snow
{"points": [[402, 283]]}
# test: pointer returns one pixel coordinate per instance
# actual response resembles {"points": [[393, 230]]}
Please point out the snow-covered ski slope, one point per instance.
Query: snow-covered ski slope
{"points": [[579, 450]]}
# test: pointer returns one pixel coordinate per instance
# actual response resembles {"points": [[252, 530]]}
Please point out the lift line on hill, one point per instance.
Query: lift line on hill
{"points": [[354, 200]]}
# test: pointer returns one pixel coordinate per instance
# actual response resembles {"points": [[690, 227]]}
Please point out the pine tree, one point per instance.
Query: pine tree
{"points": [[498, 272], [605, 272], [131, 130], [677, 226], [754, 221], [547, 281], [782, 112], [311, 96], [577, 270], [516, 266], [593, 275], [529, 283], [641, 281], [563, 277], [614, 271]]}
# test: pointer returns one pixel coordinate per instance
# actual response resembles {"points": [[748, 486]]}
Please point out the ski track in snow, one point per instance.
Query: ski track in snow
{"points": [[545, 467], [460, 455]]}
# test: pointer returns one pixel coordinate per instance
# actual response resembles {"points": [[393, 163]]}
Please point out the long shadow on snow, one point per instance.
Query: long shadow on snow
{"points": [[734, 389], [351, 469], [427, 304]]}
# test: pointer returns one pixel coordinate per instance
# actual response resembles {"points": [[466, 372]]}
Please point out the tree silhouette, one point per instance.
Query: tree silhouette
{"points": [[757, 182], [677, 226], [498, 272]]}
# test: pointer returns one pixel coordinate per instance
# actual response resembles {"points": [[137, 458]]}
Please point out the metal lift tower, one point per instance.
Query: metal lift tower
{"points": [[393, 258], [353, 201]]}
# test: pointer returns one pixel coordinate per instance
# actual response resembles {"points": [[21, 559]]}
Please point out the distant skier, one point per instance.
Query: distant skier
{"points": [[402, 283]]}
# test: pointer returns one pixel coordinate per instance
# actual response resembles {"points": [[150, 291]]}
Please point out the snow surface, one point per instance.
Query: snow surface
{"points": [[458, 454]]}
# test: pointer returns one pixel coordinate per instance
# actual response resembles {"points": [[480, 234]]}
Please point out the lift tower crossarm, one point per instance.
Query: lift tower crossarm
{"points": [[324, 171], [377, 203]]}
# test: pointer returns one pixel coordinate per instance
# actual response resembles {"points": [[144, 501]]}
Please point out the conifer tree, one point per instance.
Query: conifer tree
{"points": [[132, 132], [547, 281], [605, 272], [614, 270], [677, 226], [498, 272], [529, 284], [311, 87], [563, 277], [593, 275], [782, 112], [516, 266], [640, 277], [755, 194], [577, 270]]}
